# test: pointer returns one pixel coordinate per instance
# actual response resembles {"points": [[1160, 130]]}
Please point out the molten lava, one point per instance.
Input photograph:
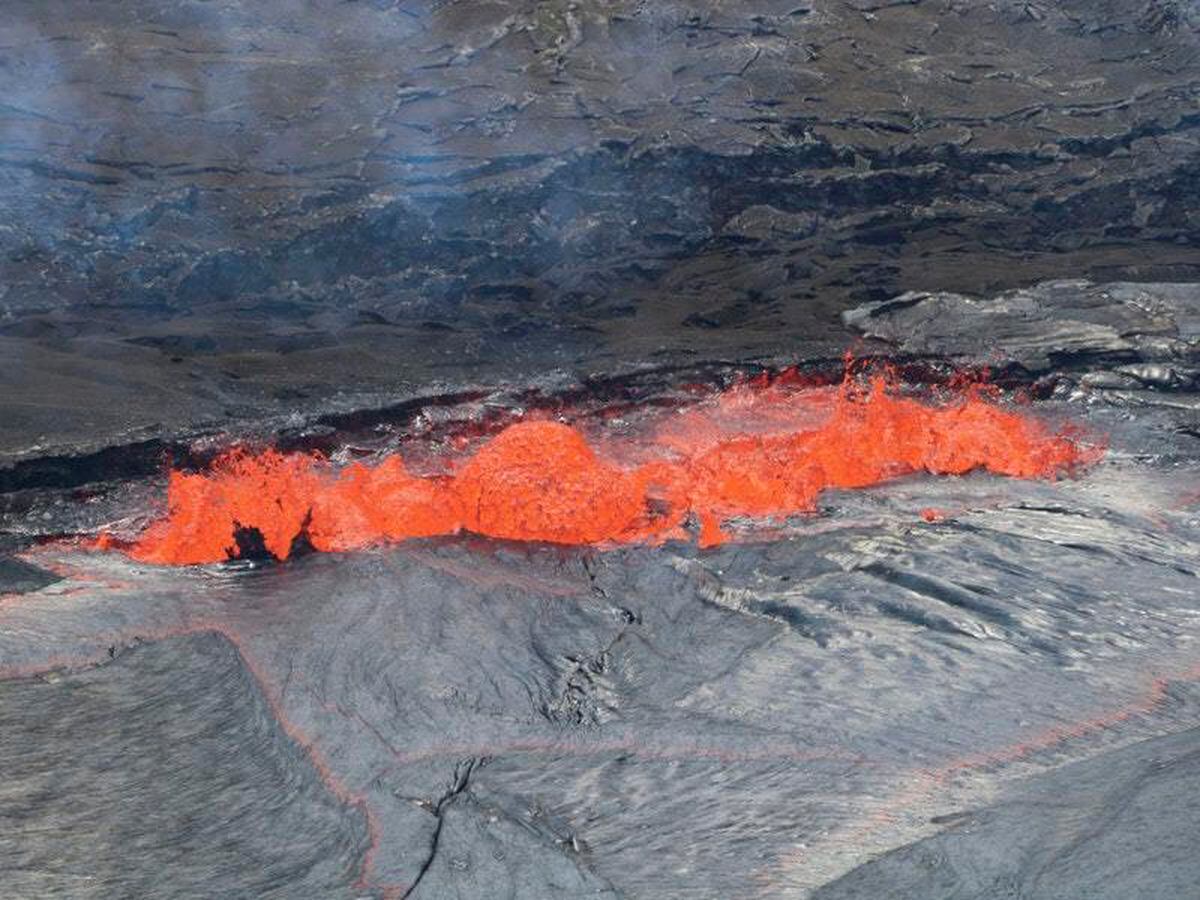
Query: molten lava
{"points": [[757, 450]]}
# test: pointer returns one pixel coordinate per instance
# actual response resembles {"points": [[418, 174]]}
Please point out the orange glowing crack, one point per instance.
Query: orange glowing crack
{"points": [[757, 451]]}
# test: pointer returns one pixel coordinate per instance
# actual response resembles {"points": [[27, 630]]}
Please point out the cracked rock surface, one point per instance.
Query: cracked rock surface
{"points": [[468, 718], [1138, 334], [217, 213], [365, 227]]}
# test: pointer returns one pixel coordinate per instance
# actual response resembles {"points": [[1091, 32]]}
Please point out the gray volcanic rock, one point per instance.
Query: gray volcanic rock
{"points": [[161, 772], [481, 852], [219, 213], [17, 577], [655, 722], [1147, 332], [381, 225], [1120, 825]]}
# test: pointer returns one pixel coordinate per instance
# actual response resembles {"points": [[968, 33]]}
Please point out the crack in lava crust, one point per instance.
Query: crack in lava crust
{"points": [[755, 450]]}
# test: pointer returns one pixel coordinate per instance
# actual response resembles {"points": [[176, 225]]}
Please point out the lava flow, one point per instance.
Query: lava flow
{"points": [[758, 451]]}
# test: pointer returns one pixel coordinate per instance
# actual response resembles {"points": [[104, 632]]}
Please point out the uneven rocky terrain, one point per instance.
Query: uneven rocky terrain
{"points": [[217, 212], [358, 227]]}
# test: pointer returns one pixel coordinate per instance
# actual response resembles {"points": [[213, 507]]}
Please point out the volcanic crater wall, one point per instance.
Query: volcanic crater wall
{"points": [[216, 210]]}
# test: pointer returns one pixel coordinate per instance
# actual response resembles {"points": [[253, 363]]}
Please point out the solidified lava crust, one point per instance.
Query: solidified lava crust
{"points": [[366, 272]]}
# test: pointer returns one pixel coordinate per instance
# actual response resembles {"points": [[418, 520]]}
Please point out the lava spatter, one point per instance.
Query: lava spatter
{"points": [[542, 481], [269, 491], [759, 450]]}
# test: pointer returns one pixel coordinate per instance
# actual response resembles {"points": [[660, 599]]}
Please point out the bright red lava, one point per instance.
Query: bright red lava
{"points": [[760, 449]]}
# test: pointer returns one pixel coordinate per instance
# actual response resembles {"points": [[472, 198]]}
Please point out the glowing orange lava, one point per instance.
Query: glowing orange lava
{"points": [[759, 450]]}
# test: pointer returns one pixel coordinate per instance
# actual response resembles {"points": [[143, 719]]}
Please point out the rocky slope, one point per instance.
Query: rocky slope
{"points": [[214, 212]]}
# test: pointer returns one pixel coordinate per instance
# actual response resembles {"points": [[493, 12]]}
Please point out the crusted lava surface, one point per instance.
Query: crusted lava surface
{"points": [[907, 671], [483, 303]]}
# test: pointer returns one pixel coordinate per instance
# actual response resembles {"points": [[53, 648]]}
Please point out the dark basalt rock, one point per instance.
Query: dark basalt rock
{"points": [[18, 577], [215, 213], [1146, 334]]}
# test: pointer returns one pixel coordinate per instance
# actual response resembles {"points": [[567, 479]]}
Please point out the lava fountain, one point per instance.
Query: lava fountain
{"points": [[760, 449]]}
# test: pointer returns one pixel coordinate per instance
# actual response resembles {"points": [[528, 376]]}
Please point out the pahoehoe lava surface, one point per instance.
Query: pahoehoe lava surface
{"points": [[161, 772], [528, 721], [380, 227], [1092, 829]]}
